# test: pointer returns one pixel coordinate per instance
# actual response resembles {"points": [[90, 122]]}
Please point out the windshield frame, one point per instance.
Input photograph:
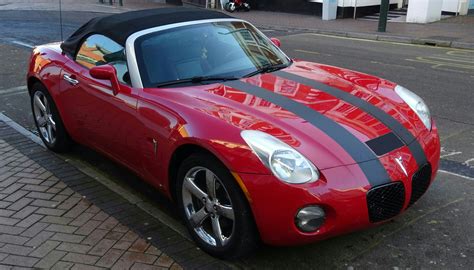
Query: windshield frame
{"points": [[133, 65]]}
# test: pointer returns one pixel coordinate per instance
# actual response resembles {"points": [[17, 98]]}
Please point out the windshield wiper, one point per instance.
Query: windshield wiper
{"points": [[197, 79], [266, 69]]}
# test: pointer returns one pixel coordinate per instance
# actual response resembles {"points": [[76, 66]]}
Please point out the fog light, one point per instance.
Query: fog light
{"points": [[310, 218]]}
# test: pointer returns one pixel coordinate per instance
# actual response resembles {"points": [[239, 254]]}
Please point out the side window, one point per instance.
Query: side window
{"points": [[100, 50]]}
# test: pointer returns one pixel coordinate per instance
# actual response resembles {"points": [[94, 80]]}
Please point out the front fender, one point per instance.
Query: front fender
{"points": [[225, 143]]}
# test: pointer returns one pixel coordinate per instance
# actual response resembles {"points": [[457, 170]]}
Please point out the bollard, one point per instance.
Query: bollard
{"points": [[329, 10], [384, 7]]}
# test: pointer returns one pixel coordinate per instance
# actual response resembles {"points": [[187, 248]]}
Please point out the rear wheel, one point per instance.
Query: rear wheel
{"points": [[214, 208], [48, 122]]}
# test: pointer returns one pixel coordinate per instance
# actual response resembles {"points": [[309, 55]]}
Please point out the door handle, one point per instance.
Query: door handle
{"points": [[70, 80]]}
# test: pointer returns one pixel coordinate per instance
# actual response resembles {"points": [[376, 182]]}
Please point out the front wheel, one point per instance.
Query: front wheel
{"points": [[47, 120], [214, 208]]}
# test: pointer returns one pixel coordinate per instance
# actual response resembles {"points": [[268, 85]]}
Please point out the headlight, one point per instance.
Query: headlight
{"points": [[286, 163], [416, 104]]}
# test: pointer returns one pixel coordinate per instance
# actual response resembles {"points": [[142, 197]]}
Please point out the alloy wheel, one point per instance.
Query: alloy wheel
{"points": [[44, 117], [208, 206]]}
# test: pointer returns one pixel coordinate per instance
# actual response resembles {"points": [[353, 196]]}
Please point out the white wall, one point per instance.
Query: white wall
{"points": [[455, 6], [424, 11]]}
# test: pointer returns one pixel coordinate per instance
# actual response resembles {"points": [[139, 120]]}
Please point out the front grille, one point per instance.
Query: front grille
{"points": [[385, 201], [420, 183]]}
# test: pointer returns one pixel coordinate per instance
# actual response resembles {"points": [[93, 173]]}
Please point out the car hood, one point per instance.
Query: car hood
{"points": [[244, 110]]}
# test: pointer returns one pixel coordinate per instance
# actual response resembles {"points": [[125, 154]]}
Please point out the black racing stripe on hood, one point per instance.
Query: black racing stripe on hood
{"points": [[385, 144], [397, 128], [359, 151]]}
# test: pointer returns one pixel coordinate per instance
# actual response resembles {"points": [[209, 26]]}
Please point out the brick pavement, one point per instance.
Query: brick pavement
{"points": [[54, 216]]}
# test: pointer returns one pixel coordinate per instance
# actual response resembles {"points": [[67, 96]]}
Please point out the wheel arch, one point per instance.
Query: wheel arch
{"points": [[185, 150], [32, 80], [179, 155]]}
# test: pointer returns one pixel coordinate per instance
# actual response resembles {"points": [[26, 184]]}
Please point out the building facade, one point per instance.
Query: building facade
{"points": [[345, 8]]}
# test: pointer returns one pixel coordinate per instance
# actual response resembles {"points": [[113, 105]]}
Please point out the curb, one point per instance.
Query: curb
{"points": [[402, 39], [382, 37]]}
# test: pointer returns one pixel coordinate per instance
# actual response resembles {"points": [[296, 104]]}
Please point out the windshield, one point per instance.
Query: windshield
{"points": [[218, 49]]}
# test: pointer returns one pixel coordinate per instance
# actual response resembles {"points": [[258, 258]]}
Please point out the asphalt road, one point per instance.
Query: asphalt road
{"points": [[437, 232]]}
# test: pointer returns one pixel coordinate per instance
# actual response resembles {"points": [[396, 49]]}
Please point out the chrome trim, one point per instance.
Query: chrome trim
{"points": [[130, 44], [70, 80], [209, 203], [44, 118]]}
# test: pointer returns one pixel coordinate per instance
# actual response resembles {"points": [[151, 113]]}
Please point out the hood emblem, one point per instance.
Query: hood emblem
{"points": [[399, 161]]}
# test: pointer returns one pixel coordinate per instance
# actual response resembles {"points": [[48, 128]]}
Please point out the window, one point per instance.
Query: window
{"points": [[217, 49], [100, 50]]}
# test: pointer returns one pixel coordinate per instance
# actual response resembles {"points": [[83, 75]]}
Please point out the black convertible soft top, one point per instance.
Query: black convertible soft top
{"points": [[119, 27]]}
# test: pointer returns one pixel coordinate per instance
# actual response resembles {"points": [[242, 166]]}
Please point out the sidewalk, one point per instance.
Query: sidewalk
{"points": [[54, 216]]}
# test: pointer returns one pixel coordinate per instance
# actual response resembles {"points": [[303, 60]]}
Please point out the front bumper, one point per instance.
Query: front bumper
{"points": [[342, 192]]}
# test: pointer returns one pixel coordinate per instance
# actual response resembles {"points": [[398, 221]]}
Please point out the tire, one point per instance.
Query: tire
{"points": [[50, 128], [226, 6], [246, 7], [231, 7], [240, 235]]}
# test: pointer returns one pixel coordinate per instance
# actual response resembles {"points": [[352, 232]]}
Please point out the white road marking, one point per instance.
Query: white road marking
{"points": [[21, 43], [13, 90], [468, 162], [305, 51], [14, 94], [380, 41], [393, 65], [452, 59], [450, 154], [455, 174]]}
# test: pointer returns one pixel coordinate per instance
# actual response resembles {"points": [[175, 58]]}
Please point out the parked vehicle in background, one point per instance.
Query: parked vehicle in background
{"points": [[237, 5]]}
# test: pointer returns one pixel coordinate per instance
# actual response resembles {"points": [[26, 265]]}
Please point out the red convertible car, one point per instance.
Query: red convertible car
{"points": [[252, 145]]}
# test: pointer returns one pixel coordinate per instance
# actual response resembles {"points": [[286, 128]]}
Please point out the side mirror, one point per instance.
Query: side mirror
{"points": [[276, 41], [106, 72]]}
